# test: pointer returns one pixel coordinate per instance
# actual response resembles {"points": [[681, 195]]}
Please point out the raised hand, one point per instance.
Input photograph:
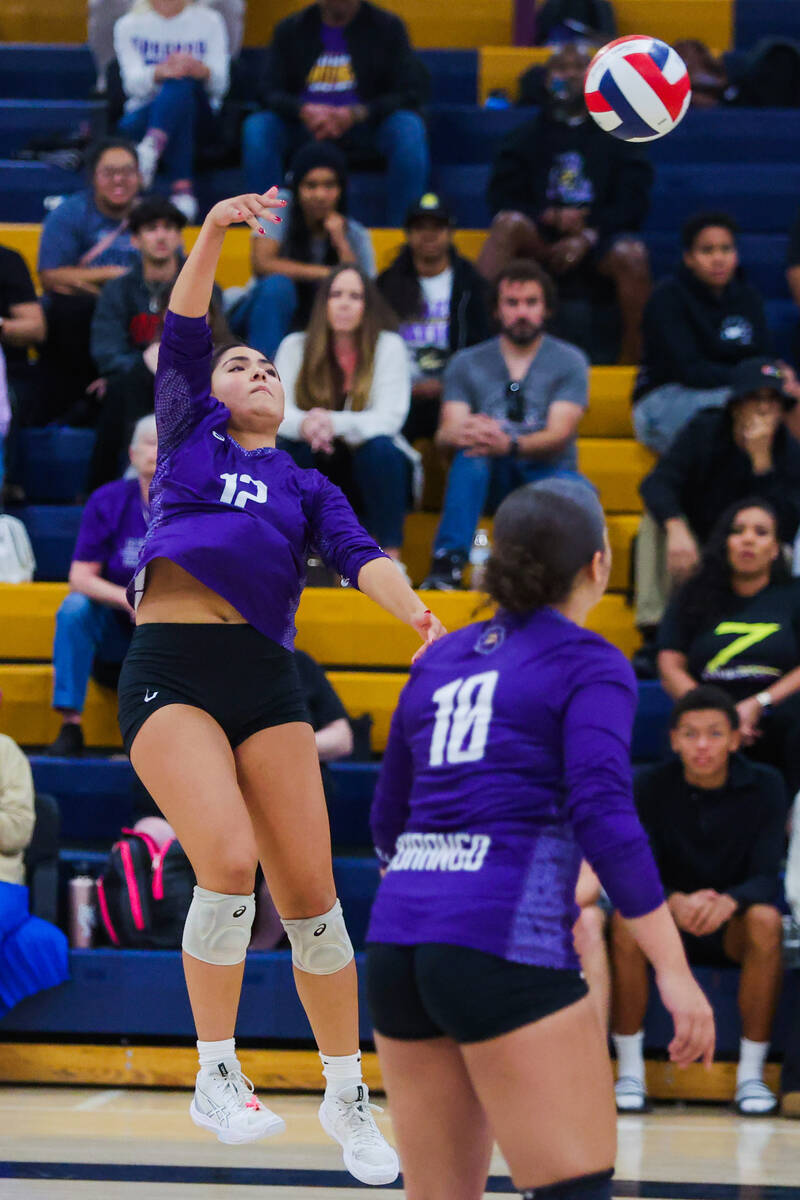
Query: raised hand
{"points": [[430, 629], [252, 209]]}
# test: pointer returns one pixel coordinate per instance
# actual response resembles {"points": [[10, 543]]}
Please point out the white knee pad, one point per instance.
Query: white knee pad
{"points": [[320, 945], [217, 928]]}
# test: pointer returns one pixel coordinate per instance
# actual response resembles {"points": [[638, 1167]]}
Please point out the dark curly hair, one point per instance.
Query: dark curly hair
{"points": [[707, 595], [543, 535]]}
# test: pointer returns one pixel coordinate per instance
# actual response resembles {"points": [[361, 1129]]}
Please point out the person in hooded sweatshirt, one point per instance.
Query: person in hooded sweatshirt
{"points": [[291, 259], [699, 324]]}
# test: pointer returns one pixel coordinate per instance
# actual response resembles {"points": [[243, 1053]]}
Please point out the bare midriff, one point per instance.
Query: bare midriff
{"points": [[174, 596]]}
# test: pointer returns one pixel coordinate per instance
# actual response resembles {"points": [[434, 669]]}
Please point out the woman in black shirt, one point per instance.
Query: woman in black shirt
{"points": [[736, 623]]}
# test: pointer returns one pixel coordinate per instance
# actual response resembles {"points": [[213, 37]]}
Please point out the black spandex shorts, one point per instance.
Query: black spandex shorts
{"points": [[707, 950], [434, 990], [241, 678]]}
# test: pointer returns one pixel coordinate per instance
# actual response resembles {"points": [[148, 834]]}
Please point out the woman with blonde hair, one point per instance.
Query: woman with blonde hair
{"points": [[348, 391], [174, 62]]}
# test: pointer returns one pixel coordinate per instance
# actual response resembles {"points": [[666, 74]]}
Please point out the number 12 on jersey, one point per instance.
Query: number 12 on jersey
{"points": [[463, 714], [238, 498]]}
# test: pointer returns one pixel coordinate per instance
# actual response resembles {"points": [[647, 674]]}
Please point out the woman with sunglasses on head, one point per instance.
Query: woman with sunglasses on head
{"points": [[508, 763], [211, 708]]}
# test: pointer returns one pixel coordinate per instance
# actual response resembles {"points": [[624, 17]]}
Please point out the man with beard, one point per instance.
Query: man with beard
{"points": [[567, 194], [510, 410]]}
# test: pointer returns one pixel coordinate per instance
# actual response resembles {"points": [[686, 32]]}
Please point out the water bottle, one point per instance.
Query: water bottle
{"points": [[81, 908], [478, 558]]}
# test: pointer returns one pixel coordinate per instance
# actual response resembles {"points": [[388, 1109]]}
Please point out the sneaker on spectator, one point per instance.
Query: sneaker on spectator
{"points": [[446, 573], [147, 155], [755, 1099], [631, 1095], [68, 744], [186, 203]]}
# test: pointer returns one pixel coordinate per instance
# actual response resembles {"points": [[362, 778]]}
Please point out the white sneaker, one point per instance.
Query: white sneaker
{"points": [[186, 203], [348, 1120], [225, 1102], [631, 1095], [148, 156], [755, 1099]]}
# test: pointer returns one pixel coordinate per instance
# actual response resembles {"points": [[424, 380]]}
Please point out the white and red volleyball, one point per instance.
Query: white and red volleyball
{"points": [[637, 88]]}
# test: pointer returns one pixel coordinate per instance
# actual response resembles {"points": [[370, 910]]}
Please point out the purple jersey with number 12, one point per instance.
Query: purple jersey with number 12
{"points": [[240, 521], [508, 762]]}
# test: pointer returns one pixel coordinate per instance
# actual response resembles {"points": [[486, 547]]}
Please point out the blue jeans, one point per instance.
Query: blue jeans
{"points": [[381, 475], [474, 481], [84, 629], [268, 140], [660, 415], [182, 111], [263, 317]]}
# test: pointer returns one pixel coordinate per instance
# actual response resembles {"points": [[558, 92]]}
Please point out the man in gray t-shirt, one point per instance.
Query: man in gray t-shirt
{"points": [[510, 410]]}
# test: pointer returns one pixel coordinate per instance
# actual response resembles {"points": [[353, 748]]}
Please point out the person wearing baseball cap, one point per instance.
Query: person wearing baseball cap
{"points": [[441, 304]]}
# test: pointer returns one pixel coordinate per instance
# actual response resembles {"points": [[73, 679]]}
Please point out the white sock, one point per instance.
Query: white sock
{"points": [[341, 1072], [752, 1056], [630, 1054], [211, 1054]]}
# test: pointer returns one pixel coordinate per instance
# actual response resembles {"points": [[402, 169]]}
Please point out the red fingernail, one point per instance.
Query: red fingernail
{"points": [[277, 220], [261, 229]]}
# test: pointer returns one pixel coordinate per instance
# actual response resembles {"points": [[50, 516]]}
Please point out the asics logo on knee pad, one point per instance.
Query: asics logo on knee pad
{"points": [[218, 926], [241, 911], [320, 945]]}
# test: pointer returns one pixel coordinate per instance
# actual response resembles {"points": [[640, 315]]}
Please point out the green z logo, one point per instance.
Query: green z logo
{"points": [[751, 635]]}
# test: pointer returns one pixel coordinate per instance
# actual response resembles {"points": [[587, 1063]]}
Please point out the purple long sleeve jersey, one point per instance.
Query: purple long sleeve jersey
{"points": [[240, 521], [508, 762]]}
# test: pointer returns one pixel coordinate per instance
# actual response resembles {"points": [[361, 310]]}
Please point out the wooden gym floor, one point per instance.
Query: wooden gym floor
{"points": [[69, 1143]]}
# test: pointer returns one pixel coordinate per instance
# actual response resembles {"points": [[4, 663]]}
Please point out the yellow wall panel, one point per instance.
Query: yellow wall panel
{"points": [[501, 67], [437, 24], [711, 21]]}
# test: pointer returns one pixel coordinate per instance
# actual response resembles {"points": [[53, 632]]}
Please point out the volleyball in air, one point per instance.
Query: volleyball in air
{"points": [[637, 88]]}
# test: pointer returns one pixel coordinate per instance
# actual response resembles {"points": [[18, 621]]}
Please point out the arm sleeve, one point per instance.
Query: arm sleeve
{"points": [[669, 635], [400, 88], [277, 91], [663, 489], [95, 541], [389, 396], [110, 341], [597, 767], [456, 383], [573, 387], [511, 183], [19, 287], [288, 361], [767, 849], [183, 379], [336, 532], [217, 58], [672, 342], [17, 813], [627, 206], [390, 805], [325, 705], [60, 244], [138, 79]]}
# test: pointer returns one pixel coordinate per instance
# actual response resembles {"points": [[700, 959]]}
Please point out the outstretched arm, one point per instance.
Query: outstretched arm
{"points": [[191, 294]]}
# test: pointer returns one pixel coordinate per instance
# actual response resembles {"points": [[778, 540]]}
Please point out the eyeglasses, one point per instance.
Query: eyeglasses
{"points": [[117, 172], [515, 402]]}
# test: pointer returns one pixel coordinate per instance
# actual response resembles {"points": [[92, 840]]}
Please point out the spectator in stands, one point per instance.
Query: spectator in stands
{"points": [[292, 259], [511, 407], [698, 326], [85, 242], [441, 302], [736, 624], [104, 14], [716, 825], [793, 278], [720, 457], [342, 71], [174, 63], [95, 619], [22, 325], [17, 811], [347, 394], [566, 194], [126, 328]]}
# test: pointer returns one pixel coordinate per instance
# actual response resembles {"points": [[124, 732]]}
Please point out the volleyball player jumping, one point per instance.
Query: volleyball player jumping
{"points": [[508, 761], [210, 703]]}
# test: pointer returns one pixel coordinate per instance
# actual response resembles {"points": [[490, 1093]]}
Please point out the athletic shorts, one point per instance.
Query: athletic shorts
{"points": [[708, 950], [434, 990], [241, 678]]}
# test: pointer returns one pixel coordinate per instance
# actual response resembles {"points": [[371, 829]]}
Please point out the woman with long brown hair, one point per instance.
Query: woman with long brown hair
{"points": [[347, 391]]}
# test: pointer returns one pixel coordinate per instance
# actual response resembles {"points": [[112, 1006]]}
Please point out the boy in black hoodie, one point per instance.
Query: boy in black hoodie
{"points": [[441, 303], [699, 324]]}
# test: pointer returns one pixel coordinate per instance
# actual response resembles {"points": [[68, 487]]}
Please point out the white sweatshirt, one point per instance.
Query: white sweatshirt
{"points": [[17, 816], [142, 40], [387, 404]]}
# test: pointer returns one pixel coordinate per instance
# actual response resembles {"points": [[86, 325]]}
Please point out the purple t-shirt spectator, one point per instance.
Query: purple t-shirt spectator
{"points": [[240, 521], [113, 527], [331, 79], [508, 762]]}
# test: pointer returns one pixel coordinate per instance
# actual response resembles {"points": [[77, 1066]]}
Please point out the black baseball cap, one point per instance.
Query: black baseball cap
{"points": [[429, 205], [155, 208], [755, 373]]}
